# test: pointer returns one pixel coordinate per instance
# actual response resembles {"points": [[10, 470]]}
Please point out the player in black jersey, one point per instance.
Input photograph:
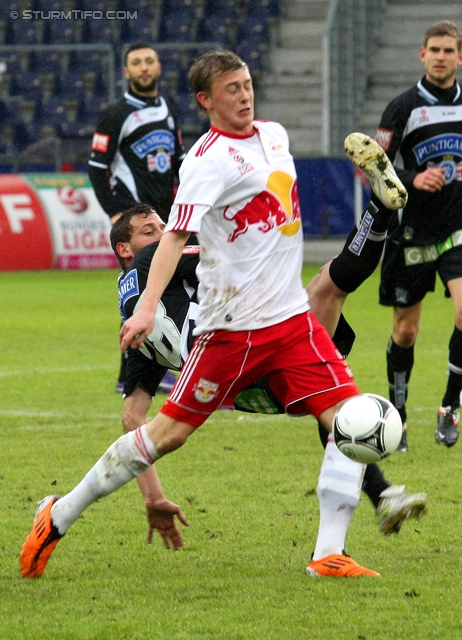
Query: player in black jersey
{"points": [[421, 131], [137, 148]]}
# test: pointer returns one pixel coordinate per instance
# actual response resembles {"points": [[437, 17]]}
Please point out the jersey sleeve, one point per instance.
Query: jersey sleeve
{"points": [[103, 149], [390, 134], [201, 185], [105, 139]]}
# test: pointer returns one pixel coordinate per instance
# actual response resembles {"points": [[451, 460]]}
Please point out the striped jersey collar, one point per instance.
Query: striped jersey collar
{"points": [[434, 94], [136, 101]]}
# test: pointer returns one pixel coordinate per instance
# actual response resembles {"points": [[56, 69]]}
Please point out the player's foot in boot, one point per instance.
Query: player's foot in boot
{"points": [[447, 431], [374, 164], [40, 542], [338, 565], [396, 506]]}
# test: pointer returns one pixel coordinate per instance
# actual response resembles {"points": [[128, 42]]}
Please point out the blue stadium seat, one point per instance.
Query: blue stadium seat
{"points": [[176, 27], [190, 121], [133, 31], [100, 32], [61, 32], [51, 110], [144, 10], [92, 108], [27, 32], [27, 84], [264, 8], [250, 52], [227, 8], [252, 27], [49, 61], [72, 84], [215, 28], [171, 6]]}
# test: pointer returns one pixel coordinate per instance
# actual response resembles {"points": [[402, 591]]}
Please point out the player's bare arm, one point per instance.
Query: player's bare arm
{"points": [[430, 180], [163, 266], [161, 512]]}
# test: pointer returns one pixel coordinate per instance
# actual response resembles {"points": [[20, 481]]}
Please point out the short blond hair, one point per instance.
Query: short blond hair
{"points": [[208, 67]]}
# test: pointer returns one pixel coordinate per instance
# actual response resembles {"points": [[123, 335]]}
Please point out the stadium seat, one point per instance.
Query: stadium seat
{"points": [[172, 6], [215, 28], [132, 31], [176, 27], [92, 107], [61, 32], [27, 84], [49, 62], [100, 32], [51, 110], [72, 85], [252, 27], [264, 8], [189, 119], [27, 32], [227, 8], [250, 51], [143, 8]]}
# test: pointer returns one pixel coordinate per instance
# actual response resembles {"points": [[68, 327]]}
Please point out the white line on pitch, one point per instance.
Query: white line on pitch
{"points": [[46, 370]]}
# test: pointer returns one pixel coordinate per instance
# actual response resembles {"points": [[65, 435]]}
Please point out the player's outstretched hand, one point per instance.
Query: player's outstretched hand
{"points": [[135, 330], [161, 516]]}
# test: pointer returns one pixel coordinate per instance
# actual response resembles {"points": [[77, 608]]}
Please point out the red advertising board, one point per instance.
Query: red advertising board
{"points": [[24, 232]]}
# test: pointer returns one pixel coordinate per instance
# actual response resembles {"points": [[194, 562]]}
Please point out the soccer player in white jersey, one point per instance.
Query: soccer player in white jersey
{"points": [[238, 191]]}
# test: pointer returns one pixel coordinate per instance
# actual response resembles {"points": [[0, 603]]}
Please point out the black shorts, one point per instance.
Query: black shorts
{"points": [[141, 371], [403, 286]]}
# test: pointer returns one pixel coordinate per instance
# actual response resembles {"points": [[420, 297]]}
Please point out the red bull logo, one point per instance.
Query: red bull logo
{"points": [[276, 206], [205, 391]]}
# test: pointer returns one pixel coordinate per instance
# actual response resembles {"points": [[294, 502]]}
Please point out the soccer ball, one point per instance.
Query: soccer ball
{"points": [[367, 428]]}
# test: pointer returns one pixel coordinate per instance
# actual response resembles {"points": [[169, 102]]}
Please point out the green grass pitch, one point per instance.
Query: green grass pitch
{"points": [[247, 484]]}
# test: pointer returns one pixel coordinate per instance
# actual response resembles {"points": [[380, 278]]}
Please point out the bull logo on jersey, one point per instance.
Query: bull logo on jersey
{"points": [[276, 206], [205, 391]]}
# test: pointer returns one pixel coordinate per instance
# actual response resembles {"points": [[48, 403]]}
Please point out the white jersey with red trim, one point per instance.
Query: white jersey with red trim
{"points": [[239, 194]]}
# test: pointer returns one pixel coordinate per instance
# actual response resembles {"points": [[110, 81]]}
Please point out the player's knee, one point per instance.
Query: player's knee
{"points": [[405, 336], [130, 421]]}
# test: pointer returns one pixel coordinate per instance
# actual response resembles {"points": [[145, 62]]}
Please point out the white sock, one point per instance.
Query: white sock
{"points": [[339, 489], [126, 458]]}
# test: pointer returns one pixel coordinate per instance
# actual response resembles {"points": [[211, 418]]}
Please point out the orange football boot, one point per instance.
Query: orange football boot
{"points": [[338, 565], [40, 542]]}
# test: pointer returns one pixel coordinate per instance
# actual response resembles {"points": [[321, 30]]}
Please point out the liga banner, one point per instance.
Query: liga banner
{"points": [[79, 227]]}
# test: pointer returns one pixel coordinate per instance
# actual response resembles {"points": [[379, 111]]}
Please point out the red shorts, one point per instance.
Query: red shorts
{"points": [[297, 357]]}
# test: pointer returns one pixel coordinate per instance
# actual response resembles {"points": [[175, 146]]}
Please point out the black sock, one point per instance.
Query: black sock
{"points": [[454, 386], [374, 483], [361, 252], [399, 367]]}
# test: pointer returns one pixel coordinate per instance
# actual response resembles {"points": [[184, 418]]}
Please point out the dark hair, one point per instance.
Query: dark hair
{"points": [[210, 65], [122, 229], [135, 47], [443, 28]]}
